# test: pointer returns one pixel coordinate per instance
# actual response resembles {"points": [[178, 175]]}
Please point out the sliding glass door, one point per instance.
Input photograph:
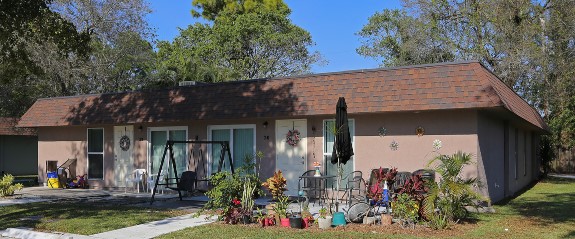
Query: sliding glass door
{"points": [[242, 145], [158, 136]]}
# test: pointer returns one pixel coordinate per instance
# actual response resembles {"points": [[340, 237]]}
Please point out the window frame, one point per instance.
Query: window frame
{"points": [[230, 127], [88, 153], [351, 121], [166, 129]]}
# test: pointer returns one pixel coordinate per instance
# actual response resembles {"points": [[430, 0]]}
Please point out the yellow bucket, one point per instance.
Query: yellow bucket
{"points": [[53, 183]]}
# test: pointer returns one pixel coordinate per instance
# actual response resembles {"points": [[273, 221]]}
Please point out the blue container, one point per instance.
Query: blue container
{"points": [[52, 175], [338, 219]]}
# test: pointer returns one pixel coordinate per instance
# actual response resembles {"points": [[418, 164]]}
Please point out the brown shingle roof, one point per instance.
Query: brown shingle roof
{"points": [[8, 127], [413, 88]]}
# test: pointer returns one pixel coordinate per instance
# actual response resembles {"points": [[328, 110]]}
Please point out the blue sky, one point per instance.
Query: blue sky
{"points": [[332, 25]]}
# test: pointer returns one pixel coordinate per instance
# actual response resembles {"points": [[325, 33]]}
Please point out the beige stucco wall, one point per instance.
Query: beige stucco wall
{"points": [[457, 129], [491, 156], [59, 144]]}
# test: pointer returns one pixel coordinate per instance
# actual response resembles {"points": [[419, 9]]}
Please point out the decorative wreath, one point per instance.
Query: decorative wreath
{"points": [[125, 143], [293, 137]]}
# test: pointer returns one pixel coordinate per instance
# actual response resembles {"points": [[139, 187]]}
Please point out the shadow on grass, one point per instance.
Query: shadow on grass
{"points": [[570, 235], [77, 217], [33, 214], [549, 204]]}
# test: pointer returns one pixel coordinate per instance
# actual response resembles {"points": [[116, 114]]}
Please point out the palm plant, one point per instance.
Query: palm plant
{"points": [[446, 199]]}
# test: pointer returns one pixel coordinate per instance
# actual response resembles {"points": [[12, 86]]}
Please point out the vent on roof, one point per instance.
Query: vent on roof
{"points": [[187, 83]]}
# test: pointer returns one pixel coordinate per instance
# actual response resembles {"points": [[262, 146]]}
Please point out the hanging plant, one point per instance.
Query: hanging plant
{"points": [[293, 137]]}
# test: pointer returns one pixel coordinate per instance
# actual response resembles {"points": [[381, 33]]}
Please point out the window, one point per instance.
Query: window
{"points": [[242, 144], [158, 137], [525, 153], [96, 154], [328, 141], [516, 152]]}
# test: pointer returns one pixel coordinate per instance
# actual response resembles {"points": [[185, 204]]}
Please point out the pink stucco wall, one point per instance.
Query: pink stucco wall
{"points": [[456, 130], [466, 130]]}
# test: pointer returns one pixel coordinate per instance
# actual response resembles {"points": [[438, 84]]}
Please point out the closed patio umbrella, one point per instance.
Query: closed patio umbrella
{"points": [[342, 148]]}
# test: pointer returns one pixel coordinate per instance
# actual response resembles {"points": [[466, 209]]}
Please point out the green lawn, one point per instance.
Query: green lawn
{"points": [[545, 211], [84, 218]]}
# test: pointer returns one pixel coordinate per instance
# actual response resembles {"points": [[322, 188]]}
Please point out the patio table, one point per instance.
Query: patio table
{"points": [[319, 185]]}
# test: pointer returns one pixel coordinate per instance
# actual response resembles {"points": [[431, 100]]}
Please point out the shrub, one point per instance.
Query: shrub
{"points": [[446, 200], [276, 184], [406, 209], [416, 188], [7, 188], [378, 177], [228, 188]]}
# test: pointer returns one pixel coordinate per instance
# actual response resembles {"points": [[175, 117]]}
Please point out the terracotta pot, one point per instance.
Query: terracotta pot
{"points": [[284, 222], [386, 219]]}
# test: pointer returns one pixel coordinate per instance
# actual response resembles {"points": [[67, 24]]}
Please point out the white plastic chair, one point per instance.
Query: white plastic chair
{"points": [[151, 182], [137, 177]]}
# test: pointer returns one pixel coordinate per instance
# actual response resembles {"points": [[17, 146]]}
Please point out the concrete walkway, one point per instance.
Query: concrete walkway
{"points": [[143, 231], [146, 230], [570, 176]]}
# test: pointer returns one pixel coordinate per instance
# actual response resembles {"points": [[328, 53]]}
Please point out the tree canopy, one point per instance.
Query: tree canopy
{"points": [[68, 47], [211, 9], [528, 44], [244, 40]]}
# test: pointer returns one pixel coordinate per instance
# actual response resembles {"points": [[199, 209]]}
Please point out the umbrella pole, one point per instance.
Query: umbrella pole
{"points": [[338, 180]]}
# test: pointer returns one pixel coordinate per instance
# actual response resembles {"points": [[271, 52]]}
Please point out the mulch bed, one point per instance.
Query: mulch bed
{"points": [[394, 229]]}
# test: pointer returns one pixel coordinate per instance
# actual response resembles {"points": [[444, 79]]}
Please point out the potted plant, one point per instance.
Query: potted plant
{"points": [[276, 184], [281, 210], [324, 220], [247, 201], [306, 216]]}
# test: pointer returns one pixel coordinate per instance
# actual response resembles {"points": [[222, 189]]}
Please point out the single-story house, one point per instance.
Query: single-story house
{"points": [[18, 148], [395, 115]]}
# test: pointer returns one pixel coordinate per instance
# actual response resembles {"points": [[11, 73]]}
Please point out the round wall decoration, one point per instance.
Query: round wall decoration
{"points": [[382, 131], [292, 137], [125, 143], [420, 131]]}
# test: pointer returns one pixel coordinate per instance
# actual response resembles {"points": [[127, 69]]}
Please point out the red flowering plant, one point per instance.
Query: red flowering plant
{"points": [[236, 202], [416, 188], [236, 213], [377, 178]]}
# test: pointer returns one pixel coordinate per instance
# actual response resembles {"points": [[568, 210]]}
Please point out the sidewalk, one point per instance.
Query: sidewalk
{"points": [[144, 231], [570, 176]]}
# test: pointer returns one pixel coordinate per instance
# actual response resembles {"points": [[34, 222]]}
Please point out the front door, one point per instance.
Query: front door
{"points": [[291, 156], [123, 154]]}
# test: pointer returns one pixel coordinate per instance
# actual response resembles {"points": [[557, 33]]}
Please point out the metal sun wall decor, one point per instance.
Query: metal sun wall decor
{"points": [[394, 145], [419, 131], [382, 131]]}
